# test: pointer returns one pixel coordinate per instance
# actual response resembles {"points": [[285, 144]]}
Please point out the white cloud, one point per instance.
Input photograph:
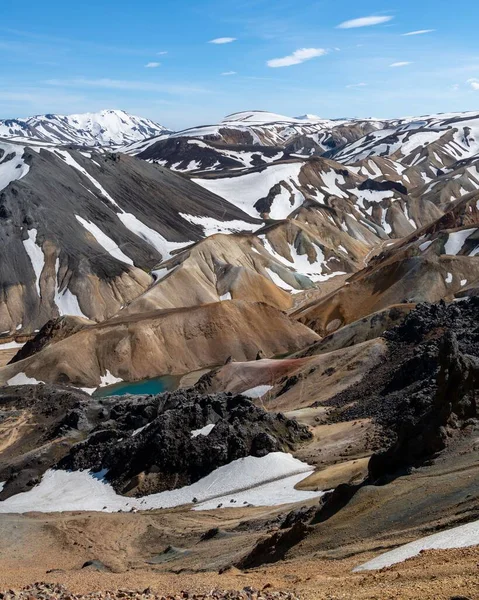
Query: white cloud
{"points": [[474, 83], [162, 53], [364, 22], [403, 63], [229, 73], [357, 85], [222, 40], [152, 65], [297, 57], [419, 32]]}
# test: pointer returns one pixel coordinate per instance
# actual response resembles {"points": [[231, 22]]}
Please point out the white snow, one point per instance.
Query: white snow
{"points": [[226, 296], [212, 226], [276, 279], [107, 243], [331, 180], [139, 430], [205, 431], [299, 263], [424, 246], [448, 278], [456, 239], [109, 379], [104, 128], [13, 169], [2, 485], [150, 236], [245, 190], [274, 493], [258, 391], [80, 490], [463, 282], [36, 256], [66, 301], [11, 346], [22, 379], [68, 158], [457, 537]]}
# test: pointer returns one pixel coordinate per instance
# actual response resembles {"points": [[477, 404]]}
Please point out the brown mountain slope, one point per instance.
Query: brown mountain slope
{"points": [[164, 342]]}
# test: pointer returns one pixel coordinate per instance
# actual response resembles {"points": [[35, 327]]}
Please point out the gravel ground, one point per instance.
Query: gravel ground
{"points": [[47, 591]]}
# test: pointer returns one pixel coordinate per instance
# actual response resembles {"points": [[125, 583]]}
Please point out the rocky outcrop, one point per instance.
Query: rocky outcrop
{"points": [[53, 331], [152, 444], [147, 443], [425, 419]]}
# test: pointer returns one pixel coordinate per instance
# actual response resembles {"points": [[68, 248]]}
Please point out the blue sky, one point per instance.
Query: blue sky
{"points": [[287, 56]]}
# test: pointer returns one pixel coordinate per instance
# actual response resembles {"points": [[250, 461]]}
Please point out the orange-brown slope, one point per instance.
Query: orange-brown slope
{"points": [[171, 342]]}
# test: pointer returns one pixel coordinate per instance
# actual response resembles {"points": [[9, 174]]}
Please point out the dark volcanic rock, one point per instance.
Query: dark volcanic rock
{"points": [[48, 420], [422, 396], [53, 331], [147, 445], [383, 186]]}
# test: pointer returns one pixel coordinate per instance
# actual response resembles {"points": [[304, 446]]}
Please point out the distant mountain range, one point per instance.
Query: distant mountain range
{"points": [[298, 286], [105, 128], [109, 213]]}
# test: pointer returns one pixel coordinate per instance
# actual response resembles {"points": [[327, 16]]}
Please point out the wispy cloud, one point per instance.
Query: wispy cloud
{"points": [[162, 53], [403, 63], [364, 22], [152, 65], [474, 83], [222, 40], [297, 57], [357, 85], [228, 73], [120, 84], [419, 32]]}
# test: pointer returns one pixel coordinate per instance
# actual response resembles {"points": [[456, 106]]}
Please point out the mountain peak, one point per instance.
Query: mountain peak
{"points": [[108, 127]]}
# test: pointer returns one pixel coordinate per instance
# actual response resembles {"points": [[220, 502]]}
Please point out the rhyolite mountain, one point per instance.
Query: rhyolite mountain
{"points": [[326, 269], [259, 207]]}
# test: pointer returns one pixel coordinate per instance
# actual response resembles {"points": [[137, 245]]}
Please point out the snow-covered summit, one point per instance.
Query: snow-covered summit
{"points": [[104, 128]]}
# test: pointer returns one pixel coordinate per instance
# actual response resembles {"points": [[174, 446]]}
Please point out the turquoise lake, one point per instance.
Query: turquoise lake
{"points": [[147, 386]]}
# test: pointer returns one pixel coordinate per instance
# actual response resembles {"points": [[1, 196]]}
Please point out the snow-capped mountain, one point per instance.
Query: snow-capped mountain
{"points": [[104, 128]]}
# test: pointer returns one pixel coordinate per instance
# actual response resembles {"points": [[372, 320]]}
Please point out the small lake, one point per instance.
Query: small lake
{"points": [[166, 383]]}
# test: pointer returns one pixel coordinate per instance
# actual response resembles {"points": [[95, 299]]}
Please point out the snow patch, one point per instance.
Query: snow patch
{"points": [[107, 243], [258, 391], [205, 431], [245, 190], [36, 256], [150, 236], [22, 379], [455, 241], [109, 379], [80, 490], [457, 537]]}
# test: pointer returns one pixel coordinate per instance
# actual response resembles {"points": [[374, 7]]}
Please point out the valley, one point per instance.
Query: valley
{"points": [[240, 354]]}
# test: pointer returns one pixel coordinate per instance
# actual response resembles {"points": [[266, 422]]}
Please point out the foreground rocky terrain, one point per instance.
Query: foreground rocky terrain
{"points": [[241, 355]]}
